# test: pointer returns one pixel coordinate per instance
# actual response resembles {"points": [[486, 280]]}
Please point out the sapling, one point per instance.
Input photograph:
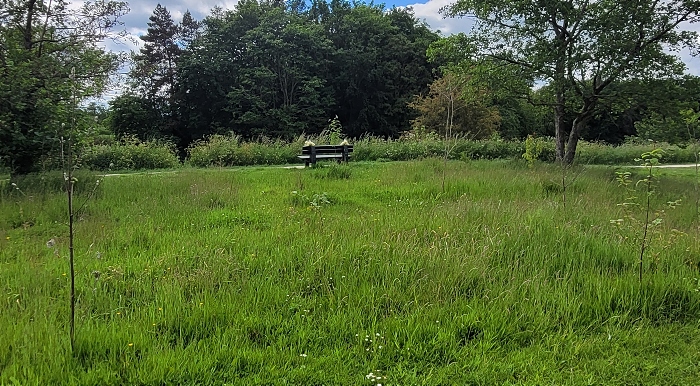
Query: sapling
{"points": [[451, 93], [649, 161], [690, 118], [335, 130], [69, 181]]}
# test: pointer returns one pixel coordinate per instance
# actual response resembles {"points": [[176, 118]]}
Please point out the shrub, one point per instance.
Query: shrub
{"points": [[131, 155], [220, 150], [373, 149], [625, 154]]}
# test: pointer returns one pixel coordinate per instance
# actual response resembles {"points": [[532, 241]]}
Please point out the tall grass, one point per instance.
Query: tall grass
{"points": [[272, 276], [132, 155]]}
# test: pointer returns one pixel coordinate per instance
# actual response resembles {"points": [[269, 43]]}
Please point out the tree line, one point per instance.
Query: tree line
{"points": [[277, 70], [569, 69]]}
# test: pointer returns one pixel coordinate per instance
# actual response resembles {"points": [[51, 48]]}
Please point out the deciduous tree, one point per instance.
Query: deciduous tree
{"points": [[581, 47], [451, 108], [40, 42]]}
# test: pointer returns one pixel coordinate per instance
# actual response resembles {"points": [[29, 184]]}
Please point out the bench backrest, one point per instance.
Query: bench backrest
{"points": [[326, 149]]}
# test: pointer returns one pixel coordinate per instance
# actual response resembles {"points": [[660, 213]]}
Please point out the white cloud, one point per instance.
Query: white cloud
{"points": [[430, 13]]}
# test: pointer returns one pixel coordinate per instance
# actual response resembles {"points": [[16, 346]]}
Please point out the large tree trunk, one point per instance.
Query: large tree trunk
{"points": [[28, 27], [572, 142], [567, 137]]}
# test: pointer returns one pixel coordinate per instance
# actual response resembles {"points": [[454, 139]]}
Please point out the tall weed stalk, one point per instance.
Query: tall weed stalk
{"points": [[67, 156]]}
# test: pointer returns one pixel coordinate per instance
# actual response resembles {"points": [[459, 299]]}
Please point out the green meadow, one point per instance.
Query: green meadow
{"points": [[360, 274]]}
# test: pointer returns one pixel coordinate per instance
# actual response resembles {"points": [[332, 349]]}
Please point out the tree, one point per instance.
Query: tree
{"points": [[40, 43], [451, 108], [263, 69], [131, 115], [490, 85], [256, 70], [580, 48], [149, 110], [378, 66], [154, 68]]}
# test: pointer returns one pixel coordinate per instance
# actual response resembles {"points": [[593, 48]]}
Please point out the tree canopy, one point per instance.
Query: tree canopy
{"points": [[41, 44], [275, 70], [580, 48]]}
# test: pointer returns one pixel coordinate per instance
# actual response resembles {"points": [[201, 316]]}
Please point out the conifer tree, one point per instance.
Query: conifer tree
{"points": [[155, 66]]}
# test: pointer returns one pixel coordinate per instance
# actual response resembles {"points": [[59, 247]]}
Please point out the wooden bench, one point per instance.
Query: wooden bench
{"points": [[311, 154]]}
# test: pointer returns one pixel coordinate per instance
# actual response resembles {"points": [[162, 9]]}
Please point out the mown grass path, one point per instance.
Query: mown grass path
{"points": [[351, 275]]}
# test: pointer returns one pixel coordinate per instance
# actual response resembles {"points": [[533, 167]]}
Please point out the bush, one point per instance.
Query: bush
{"points": [[625, 154], [374, 149], [219, 150], [132, 155]]}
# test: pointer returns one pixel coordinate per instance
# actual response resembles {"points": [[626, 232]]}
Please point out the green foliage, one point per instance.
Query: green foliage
{"points": [[495, 92], [651, 109], [448, 110], [373, 149], [41, 44], [132, 154], [219, 150], [131, 115], [270, 75], [541, 42], [598, 153], [678, 128], [335, 131], [534, 146]]}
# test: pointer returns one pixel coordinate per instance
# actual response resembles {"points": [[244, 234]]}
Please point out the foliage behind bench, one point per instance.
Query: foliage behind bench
{"points": [[224, 151]]}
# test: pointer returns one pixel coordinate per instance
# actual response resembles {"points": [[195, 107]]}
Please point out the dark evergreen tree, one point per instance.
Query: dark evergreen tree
{"points": [[155, 66], [150, 109], [188, 31]]}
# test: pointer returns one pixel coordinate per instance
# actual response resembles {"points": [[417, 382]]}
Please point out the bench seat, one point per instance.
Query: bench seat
{"points": [[310, 154]]}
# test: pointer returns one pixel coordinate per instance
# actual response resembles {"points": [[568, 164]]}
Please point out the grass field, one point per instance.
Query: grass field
{"points": [[362, 274]]}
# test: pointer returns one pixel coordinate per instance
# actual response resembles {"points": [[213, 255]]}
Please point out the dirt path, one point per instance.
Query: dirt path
{"points": [[668, 166]]}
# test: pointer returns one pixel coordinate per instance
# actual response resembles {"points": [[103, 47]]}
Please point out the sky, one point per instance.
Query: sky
{"points": [[135, 22]]}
